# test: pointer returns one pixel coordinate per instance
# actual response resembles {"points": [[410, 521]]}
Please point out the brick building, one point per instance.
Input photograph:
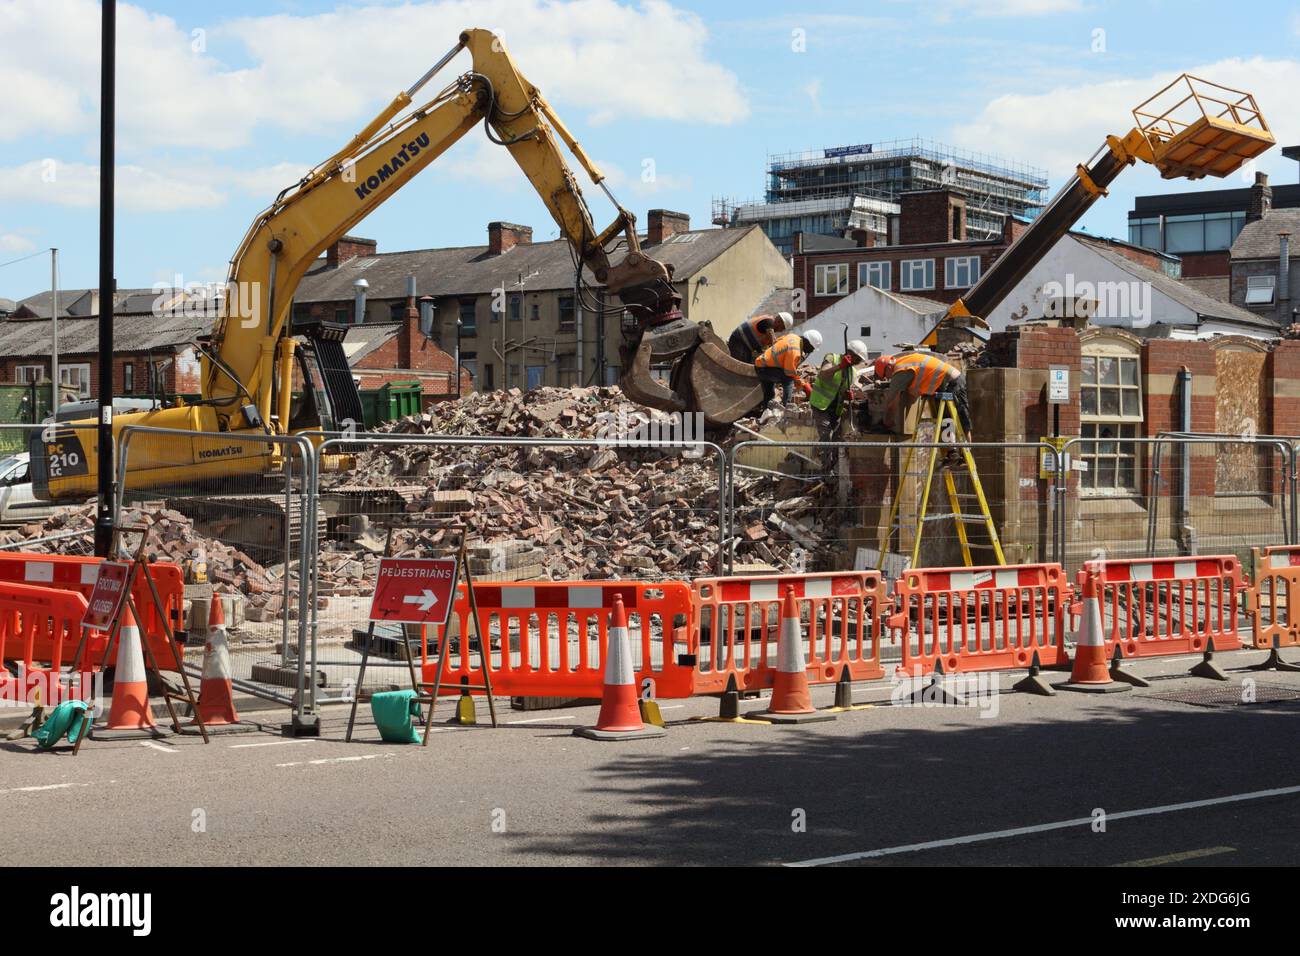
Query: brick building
{"points": [[510, 307], [933, 258], [1201, 225], [1262, 280], [1125, 391], [155, 332], [154, 354]]}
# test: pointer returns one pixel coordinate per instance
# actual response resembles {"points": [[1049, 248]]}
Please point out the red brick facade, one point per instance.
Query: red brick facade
{"points": [[178, 374], [934, 220]]}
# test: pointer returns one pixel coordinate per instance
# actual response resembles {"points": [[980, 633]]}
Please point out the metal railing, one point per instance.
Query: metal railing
{"points": [[250, 514]]}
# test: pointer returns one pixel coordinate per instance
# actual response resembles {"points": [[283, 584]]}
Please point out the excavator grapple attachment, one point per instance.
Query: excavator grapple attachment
{"points": [[705, 378], [724, 389], [640, 385]]}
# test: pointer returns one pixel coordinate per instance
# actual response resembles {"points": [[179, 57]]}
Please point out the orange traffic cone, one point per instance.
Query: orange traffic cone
{"points": [[129, 714], [620, 714], [1090, 672], [791, 701], [216, 695]]}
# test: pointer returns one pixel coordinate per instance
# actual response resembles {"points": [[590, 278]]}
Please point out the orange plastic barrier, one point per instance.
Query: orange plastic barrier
{"points": [[74, 573], [37, 624], [1277, 575], [737, 620], [549, 639], [977, 619], [1152, 607]]}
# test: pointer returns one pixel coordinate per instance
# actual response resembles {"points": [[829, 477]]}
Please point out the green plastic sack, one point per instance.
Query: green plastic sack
{"points": [[393, 711], [69, 719]]}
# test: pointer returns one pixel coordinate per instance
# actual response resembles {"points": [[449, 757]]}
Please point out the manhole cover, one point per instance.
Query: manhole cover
{"points": [[1231, 695]]}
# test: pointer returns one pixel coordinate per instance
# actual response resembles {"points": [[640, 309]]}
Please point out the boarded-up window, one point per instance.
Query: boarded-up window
{"points": [[1239, 405]]}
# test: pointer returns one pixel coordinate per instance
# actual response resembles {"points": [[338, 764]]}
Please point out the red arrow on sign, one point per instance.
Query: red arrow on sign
{"points": [[414, 590]]}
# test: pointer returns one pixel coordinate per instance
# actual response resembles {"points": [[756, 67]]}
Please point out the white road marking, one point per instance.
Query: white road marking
{"points": [[150, 743], [325, 760], [48, 786], [539, 720], [673, 707], [1046, 827], [273, 743]]}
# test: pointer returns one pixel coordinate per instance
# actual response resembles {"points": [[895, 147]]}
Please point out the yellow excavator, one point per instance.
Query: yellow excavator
{"points": [[1190, 129], [248, 365]]}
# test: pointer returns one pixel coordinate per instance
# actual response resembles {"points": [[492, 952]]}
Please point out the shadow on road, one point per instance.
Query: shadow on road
{"points": [[732, 793]]}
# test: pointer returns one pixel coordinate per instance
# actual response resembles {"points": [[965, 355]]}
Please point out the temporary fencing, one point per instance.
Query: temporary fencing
{"points": [[737, 621], [802, 505], [77, 573], [244, 530], [551, 639], [1173, 495], [1154, 608], [635, 515], [38, 625], [975, 619], [1277, 577]]}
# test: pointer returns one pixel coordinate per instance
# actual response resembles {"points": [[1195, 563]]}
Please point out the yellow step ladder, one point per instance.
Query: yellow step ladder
{"points": [[942, 412]]}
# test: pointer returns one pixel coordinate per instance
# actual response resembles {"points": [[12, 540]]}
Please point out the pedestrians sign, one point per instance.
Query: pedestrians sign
{"points": [[414, 590], [106, 597]]}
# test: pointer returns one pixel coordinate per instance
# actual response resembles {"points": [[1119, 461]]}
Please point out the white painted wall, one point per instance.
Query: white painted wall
{"points": [[1072, 257], [892, 323]]}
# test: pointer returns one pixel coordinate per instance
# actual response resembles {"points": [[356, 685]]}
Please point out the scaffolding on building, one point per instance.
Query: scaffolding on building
{"points": [[994, 187]]}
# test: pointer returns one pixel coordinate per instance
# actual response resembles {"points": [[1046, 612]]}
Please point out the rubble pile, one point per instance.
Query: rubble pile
{"points": [[531, 512], [172, 538], [548, 512]]}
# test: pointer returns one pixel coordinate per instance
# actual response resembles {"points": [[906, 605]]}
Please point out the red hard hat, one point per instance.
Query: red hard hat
{"points": [[884, 366]]}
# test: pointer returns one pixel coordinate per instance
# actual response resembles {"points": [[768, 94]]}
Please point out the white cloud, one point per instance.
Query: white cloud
{"points": [[1010, 8], [139, 188], [12, 242], [648, 180], [1060, 128], [813, 90], [307, 72]]}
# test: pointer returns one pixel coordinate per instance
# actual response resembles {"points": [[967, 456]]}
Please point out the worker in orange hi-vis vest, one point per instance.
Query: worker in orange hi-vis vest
{"points": [[922, 374], [753, 336], [779, 364]]}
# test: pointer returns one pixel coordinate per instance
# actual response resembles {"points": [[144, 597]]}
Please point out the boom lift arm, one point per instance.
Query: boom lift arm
{"points": [[1210, 130]]}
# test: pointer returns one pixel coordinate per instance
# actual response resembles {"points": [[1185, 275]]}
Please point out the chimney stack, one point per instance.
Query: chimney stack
{"points": [[504, 236], [349, 247], [662, 223], [1261, 198]]}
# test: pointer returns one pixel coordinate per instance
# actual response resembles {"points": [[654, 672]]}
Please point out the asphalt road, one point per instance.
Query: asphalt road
{"points": [[880, 779]]}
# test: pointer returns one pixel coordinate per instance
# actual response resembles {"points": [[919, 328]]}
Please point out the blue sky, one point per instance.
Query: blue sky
{"points": [[224, 103]]}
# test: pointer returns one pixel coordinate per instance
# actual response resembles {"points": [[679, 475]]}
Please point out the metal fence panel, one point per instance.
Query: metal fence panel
{"points": [[1175, 495], [804, 506], [243, 536], [533, 509]]}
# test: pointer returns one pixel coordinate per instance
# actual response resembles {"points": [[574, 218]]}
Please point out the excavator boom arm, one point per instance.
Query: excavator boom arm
{"points": [[287, 239]]}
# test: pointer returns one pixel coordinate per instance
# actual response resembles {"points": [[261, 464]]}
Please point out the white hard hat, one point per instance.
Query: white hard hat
{"points": [[784, 319], [814, 338], [859, 348]]}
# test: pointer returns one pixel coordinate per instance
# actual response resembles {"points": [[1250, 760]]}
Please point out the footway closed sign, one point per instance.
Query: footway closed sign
{"points": [[414, 590]]}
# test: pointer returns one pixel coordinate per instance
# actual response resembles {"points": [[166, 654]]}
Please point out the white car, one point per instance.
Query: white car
{"points": [[17, 502]]}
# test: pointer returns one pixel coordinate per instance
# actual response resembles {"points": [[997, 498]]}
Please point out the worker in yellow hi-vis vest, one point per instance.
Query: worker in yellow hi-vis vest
{"points": [[779, 364], [923, 374]]}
